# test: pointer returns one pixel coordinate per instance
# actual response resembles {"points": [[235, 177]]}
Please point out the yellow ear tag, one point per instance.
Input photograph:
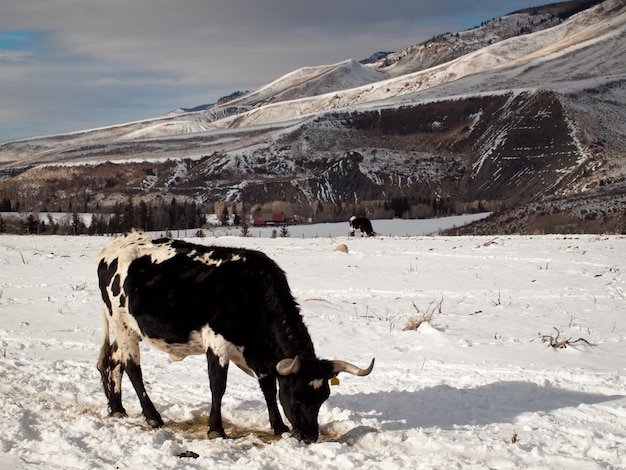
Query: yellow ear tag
{"points": [[334, 380]]}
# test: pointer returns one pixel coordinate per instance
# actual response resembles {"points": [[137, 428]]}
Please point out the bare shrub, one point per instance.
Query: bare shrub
{"points": [[514, 437], [426, 316], [555, 342], [244, 228], [78, 286]]}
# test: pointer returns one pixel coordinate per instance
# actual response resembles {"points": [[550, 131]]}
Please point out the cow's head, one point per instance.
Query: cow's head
{"points": [[303, 385]]}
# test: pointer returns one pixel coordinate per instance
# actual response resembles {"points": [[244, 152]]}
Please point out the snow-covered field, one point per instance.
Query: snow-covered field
{"points": [[384, 227], [474, 388]]}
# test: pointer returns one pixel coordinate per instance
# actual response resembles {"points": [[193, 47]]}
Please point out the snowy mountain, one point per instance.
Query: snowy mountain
{"points": [[526, 110], [448, 46]]}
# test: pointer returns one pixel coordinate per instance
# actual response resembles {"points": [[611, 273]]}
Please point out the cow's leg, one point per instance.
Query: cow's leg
{"points": [[268, 386], [115, 383], [153, 417], [217, 379], [130, 360]]}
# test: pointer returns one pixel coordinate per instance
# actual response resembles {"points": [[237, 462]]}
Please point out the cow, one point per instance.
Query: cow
{"points": [[230, 304], [361, 224]]}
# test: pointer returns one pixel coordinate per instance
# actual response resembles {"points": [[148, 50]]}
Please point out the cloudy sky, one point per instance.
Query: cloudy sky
{"points": [[68, 65]]}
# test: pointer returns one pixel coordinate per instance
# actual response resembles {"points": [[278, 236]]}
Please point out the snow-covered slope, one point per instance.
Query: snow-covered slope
{"points": [[311, 81], [448, 46], [525, 61]]}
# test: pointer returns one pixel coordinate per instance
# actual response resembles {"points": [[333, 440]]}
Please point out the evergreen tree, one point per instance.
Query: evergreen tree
{"points": [[115, 221], [78, 226], [128, 217], [32, 224], [98, 225], [174, 214], [144, 216], [5, 205]]}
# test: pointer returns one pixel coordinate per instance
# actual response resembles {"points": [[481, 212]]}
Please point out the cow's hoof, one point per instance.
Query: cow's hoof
{"points": [[280, 430], [155, 422], [216, 434], [306, 438], [118, 414]]}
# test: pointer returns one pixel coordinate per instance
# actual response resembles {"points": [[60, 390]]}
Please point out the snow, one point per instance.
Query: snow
{"points": [[311, 80], [473, 388], [385, 227]]}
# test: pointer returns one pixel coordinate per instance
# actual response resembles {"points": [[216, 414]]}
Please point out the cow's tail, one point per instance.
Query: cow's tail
{"points": [[104, 358]]}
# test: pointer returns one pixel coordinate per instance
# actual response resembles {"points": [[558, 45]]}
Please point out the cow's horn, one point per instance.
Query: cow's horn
{"points": [[288, 366], [343, 366]]}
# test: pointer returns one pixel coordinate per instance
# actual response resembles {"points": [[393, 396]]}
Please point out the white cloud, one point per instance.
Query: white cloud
{"points": [[14, 56]]}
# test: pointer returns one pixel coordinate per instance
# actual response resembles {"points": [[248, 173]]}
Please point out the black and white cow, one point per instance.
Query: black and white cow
{"points": [[361, 224], [227, 303]]}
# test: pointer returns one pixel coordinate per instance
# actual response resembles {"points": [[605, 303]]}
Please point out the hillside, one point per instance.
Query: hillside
{"points": [[448, 46], [525, 111]]}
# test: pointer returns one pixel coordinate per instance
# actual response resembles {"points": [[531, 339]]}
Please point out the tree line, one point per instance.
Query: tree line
{"points": [[183, 214], [123, 217]]}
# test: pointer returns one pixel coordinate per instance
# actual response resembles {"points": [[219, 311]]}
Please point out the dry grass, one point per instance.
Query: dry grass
{"points": [[557, 341], [426, 316]]}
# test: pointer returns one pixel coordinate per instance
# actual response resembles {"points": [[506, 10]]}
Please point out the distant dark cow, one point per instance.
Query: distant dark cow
{"points": [[230, 304], [362, 225]]}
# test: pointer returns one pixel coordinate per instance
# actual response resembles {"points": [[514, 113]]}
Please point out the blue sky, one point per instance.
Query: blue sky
{"points": [[69, 65], [17, 39]]}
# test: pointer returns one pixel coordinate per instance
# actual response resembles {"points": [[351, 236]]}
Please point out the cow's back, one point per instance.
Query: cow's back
{"points": [[177, 292]]}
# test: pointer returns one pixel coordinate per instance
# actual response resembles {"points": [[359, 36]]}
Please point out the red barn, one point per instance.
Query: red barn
{"points": [[275, 219]]}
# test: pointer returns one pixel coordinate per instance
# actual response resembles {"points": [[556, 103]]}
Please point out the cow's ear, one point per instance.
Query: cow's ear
{"points": [[328, 369]]}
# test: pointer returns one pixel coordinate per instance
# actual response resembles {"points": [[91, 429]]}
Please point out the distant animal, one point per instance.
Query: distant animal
{"points": [[361, 224], [227, 303]]}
